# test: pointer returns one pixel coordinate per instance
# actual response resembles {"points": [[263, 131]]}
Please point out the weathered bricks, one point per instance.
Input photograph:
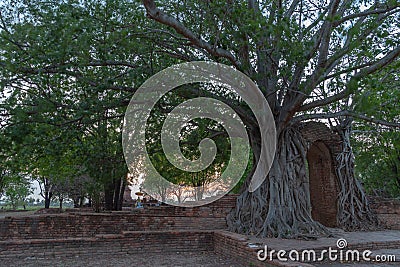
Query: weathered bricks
{"points": [[78, 224], [388, 211]]}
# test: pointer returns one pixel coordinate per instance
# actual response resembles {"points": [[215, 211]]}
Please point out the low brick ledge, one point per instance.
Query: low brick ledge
{"points": [[88, 225], [100, 237], [129, 242]]}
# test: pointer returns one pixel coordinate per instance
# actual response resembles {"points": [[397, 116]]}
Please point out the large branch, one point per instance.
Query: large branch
{"points": [[346, 113], [156, 14], [292, 8], [326, 36], [360, 74], [104, 63], [349, 44], [328, 64], [323, 34], [374, 10]]}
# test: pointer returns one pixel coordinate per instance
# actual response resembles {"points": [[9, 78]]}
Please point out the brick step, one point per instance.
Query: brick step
{"points": [[244, 248], [89, 225], [129, 242]]}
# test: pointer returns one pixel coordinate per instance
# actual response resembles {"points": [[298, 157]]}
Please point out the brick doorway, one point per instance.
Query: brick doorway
{"points": [[323, 185]]}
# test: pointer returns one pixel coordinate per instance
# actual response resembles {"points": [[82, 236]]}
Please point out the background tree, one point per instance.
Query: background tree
{"points": [[378, 161], [377, 146], [68, 70], [17, 191]]}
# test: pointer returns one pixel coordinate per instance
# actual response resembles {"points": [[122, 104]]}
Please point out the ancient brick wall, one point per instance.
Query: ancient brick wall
{"points": [[150, 230], [83, 224], [323, 148], [116, 244], [388, 211], [323, 184], [236, 247]]}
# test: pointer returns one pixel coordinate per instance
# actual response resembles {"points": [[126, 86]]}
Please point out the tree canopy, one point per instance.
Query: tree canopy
{"points": [[68, 69]]}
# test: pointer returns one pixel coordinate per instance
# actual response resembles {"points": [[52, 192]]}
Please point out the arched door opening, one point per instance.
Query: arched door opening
{"points": [[323, 184]]}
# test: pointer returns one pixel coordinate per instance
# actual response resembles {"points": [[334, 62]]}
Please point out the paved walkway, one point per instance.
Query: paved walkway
{"points": [[382, 243], [184, 259], [395, 252], [357, 264], [352, 238]]}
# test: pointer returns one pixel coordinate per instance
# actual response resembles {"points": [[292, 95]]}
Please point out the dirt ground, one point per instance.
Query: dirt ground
{"points": [[199, 259]]}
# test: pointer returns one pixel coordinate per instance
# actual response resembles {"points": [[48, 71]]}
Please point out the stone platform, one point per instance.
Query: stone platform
{"points": [[167, 230], [240, 249], [382, 243]]}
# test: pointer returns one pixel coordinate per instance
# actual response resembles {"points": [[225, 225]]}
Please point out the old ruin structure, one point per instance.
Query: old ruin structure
{"points": [[323, 148], [334, 191]]}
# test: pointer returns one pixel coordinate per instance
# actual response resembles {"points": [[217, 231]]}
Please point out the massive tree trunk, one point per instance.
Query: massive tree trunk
{"points": [[281, 206]]}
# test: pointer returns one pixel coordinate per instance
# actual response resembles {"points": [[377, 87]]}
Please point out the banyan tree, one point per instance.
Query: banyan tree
{"points": [[309, 59]]}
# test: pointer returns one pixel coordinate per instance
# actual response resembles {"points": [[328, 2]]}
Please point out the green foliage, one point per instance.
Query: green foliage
{"points": [[68, 69], [17, 190], [190, 137], [378, 161], [377, 148]]}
